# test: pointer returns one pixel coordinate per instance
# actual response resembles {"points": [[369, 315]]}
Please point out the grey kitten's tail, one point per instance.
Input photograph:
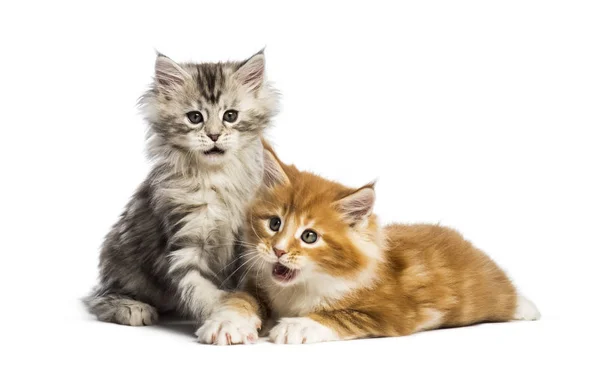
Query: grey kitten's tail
{"points": [[121, 309]]}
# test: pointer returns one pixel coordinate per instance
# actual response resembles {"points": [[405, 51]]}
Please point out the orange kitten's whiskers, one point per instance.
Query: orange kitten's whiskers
{"points": [[237, 269]]}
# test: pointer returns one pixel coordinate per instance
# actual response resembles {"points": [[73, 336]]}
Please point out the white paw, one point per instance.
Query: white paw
{"points": [[301, 330], [526, 310], [227, 326]]}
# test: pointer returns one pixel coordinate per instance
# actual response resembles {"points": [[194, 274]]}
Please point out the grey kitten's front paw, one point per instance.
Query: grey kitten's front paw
{"points": [[227, 327]]}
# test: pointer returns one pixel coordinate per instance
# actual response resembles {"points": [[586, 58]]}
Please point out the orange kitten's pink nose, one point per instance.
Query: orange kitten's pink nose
{"points": [[278, 252]]}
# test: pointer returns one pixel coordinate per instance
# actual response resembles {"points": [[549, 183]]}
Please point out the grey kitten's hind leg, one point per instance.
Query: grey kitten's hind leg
{"points": [[121, 309]]}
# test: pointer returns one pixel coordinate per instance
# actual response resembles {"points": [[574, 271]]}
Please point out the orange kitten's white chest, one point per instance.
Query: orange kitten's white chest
{"points": [[319, 292], [293, 302]]}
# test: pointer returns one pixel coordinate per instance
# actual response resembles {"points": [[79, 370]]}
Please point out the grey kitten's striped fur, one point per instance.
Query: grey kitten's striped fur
{"points": [[173, 246]]}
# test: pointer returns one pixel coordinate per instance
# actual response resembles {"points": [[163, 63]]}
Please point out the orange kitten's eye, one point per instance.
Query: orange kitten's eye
{"points": [[309, 236], [274, 223]]}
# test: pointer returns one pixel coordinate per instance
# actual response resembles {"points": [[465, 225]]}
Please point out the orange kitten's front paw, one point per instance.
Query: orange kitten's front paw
{"points": [[301, 330], [228, 327]]}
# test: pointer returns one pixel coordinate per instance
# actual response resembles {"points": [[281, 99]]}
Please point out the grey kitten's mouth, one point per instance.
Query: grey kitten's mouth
{"points": [[284, 274], [214, 151]]}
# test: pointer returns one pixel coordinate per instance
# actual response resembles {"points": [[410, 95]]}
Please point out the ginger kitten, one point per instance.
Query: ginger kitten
{"points": [[319, 263]]}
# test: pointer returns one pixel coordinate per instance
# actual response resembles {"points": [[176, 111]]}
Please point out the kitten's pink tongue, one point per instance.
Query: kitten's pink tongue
{"points": [[283, 273]]}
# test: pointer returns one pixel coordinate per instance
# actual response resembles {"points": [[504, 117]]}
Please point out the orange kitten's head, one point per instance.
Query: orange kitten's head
{"points": [[307, 228]]}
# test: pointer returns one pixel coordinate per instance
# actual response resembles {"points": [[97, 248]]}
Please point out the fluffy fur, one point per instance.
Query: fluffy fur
{"points": [[173, 247], [356, 279]]}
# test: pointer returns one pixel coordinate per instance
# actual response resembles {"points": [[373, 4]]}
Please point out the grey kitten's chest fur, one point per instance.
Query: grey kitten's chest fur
{"points": [[200, 213], [208, 209]]}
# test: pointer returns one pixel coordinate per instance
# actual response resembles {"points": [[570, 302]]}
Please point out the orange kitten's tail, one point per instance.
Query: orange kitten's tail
{"points": [[526, 310]]}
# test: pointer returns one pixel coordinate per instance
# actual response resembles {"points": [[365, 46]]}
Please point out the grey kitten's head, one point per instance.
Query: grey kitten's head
{"points": [[208, 111]]}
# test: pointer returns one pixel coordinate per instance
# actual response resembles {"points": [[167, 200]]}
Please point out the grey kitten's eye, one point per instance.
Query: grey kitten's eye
{"points": [[195, 117], [309, 236], [230, 116], [274, 223]]}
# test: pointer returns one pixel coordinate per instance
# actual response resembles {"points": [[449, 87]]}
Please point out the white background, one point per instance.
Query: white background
{"points": [[481, 115]]}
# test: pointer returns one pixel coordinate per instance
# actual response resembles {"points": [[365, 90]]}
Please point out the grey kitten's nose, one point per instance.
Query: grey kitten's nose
{"points": [[214, 137]]}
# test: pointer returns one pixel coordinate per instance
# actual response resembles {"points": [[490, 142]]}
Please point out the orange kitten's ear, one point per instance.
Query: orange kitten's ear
{"points": [[358, 205], [273, 174]]}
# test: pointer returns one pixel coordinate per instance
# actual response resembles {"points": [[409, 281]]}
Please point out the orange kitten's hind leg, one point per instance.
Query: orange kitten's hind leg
{"points": [[433, 319], [526, 310]]}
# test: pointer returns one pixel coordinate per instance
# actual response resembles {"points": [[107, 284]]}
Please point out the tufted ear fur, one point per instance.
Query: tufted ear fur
{"points": [[273, 173], [252, 72], [358, 205], [168, 74]]}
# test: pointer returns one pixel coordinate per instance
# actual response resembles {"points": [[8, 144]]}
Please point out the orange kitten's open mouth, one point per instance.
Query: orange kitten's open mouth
{"points": [[283, 274]]}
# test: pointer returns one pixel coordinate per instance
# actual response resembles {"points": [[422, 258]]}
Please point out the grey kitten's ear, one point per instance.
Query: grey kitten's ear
{"points": [[252, 72], [273, 174], [167, 73], [358, 205]]}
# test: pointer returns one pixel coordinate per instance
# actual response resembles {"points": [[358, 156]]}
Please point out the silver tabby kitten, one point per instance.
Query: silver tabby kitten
{"points": [[173, 247]]}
